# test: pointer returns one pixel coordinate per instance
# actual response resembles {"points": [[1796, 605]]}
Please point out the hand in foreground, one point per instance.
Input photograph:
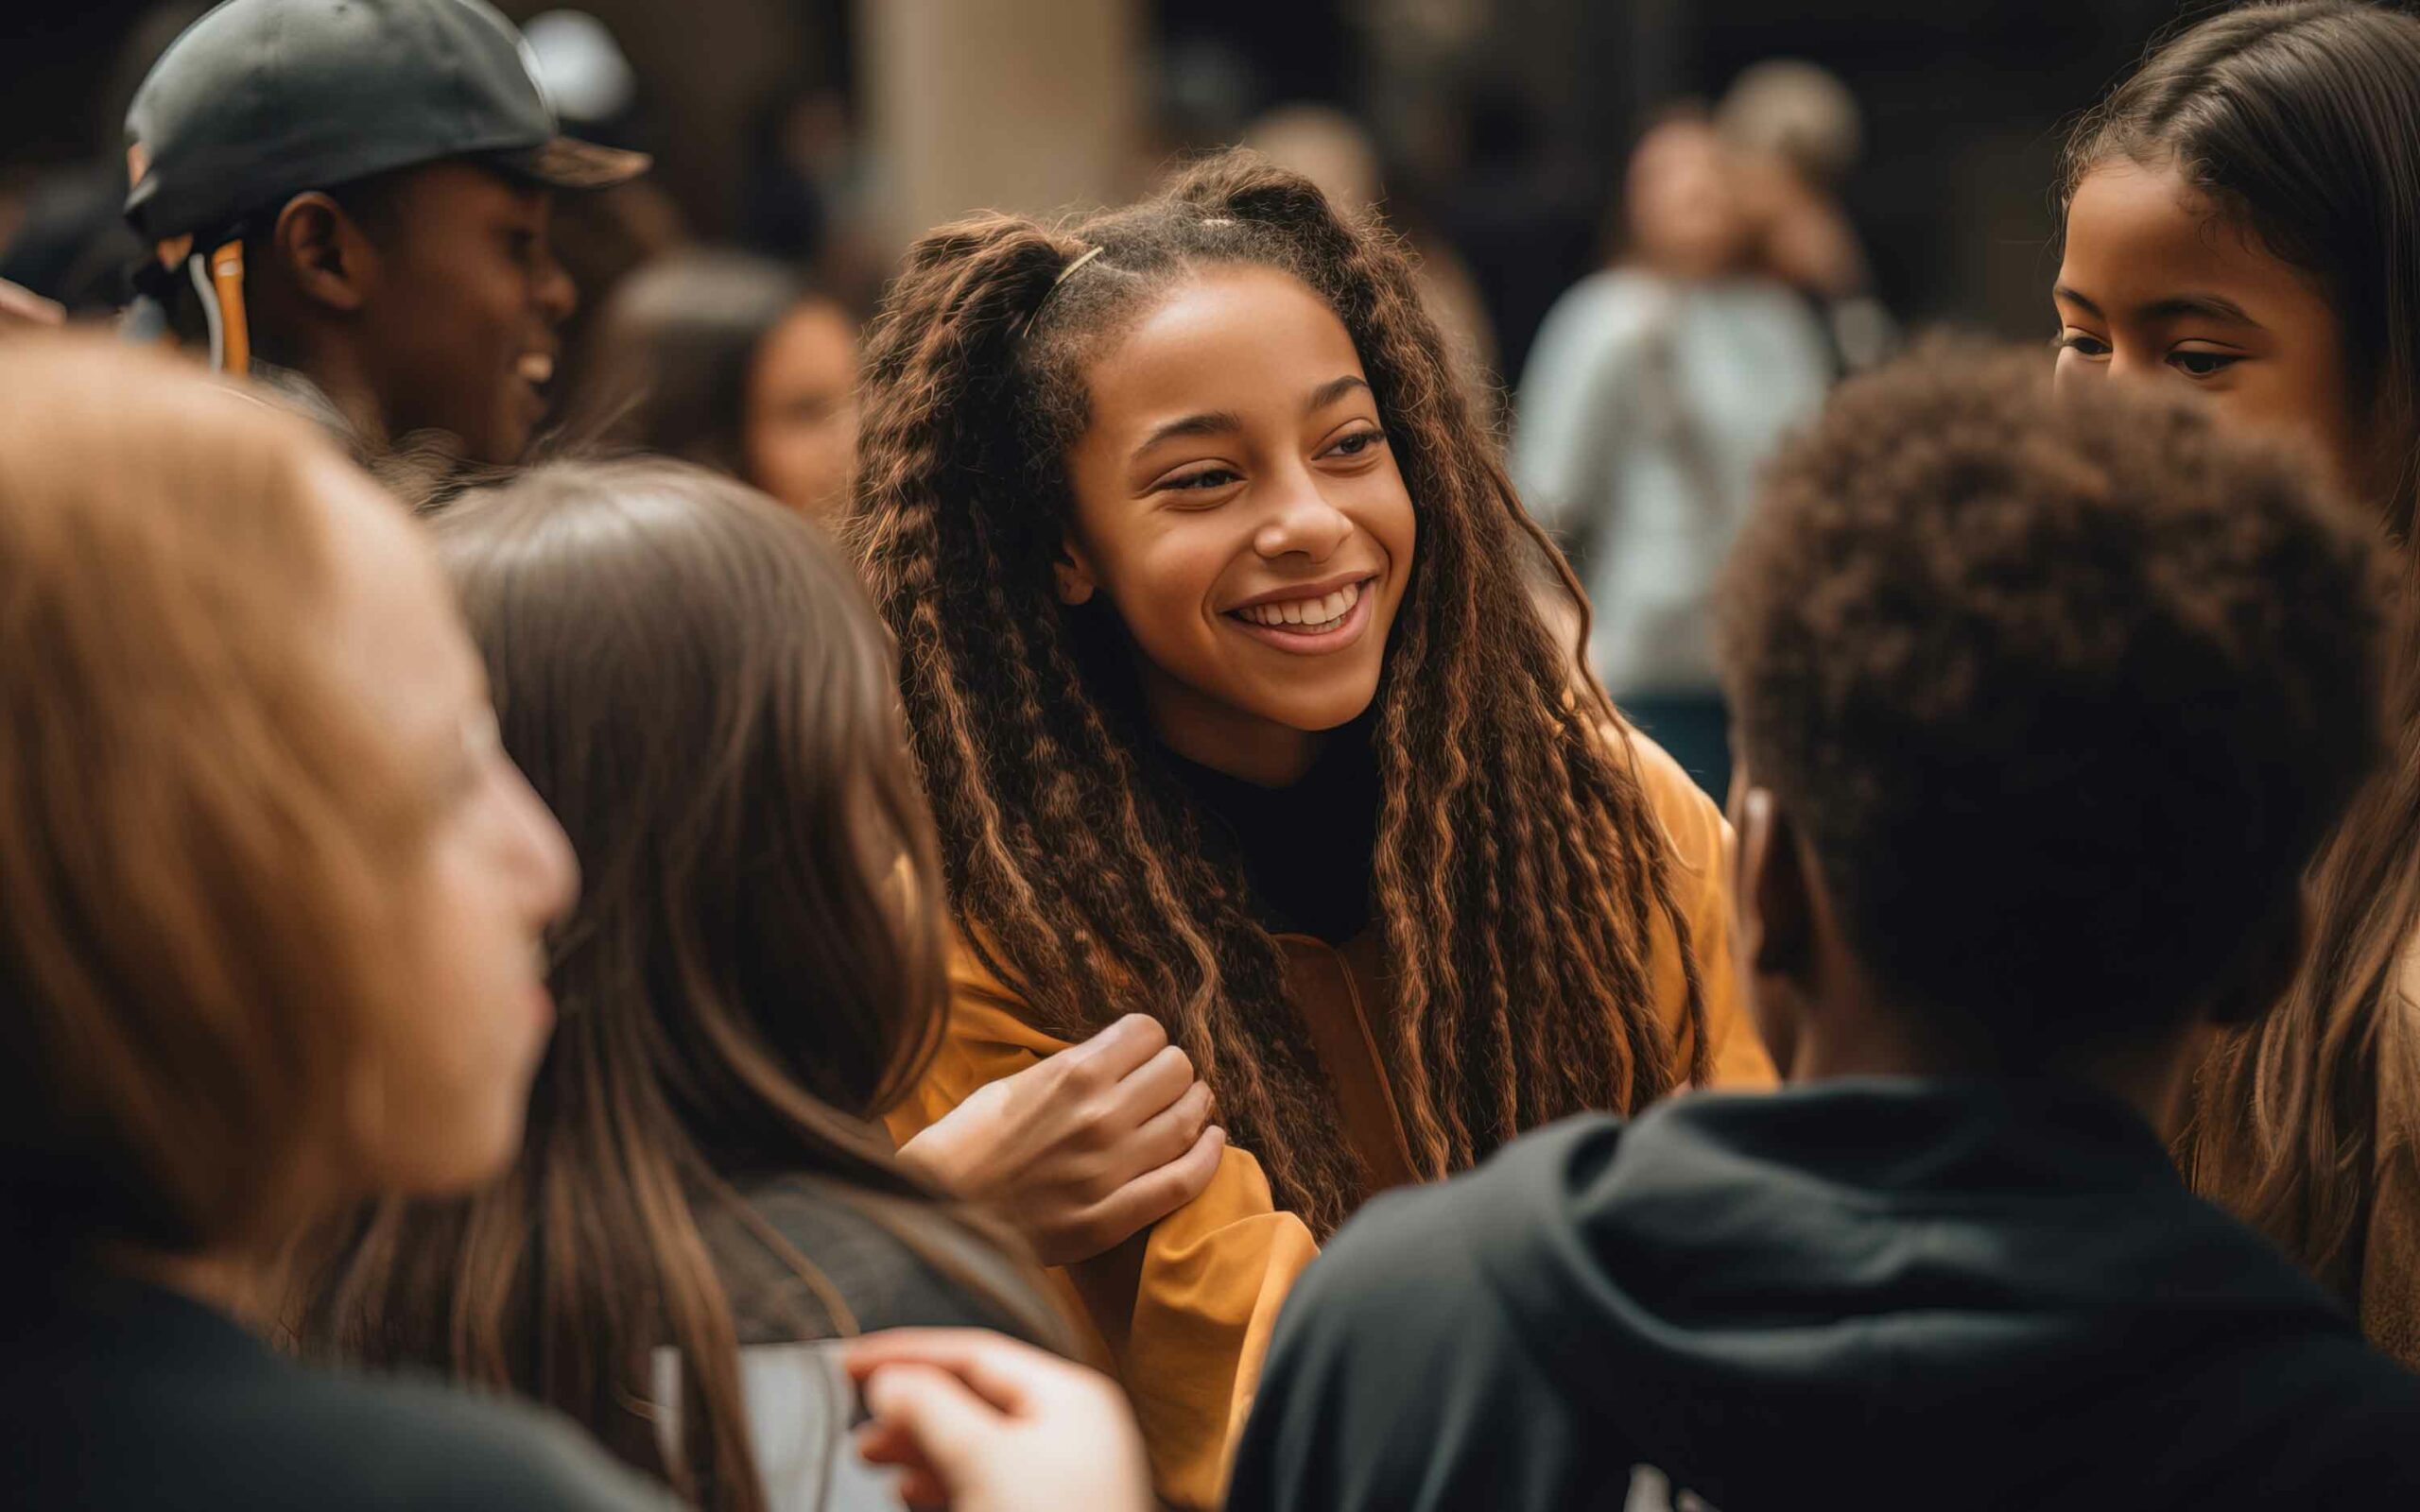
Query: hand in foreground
{"points": [[1085, 1149], [983, 1423]]}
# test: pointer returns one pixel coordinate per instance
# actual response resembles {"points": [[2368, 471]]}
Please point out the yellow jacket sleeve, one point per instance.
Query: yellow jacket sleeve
{"points": [[1214, 1273], [1699, 840]]}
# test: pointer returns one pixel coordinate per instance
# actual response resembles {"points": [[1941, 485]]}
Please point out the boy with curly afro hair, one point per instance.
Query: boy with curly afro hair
{"points": [[2043, 708]]}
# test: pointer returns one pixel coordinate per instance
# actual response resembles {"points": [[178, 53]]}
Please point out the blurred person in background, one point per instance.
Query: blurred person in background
{"points": [[352, 204], [1334, 151], [733, 363], [1796, 132], [2240, 224], [1655, 392], [272, 946]]}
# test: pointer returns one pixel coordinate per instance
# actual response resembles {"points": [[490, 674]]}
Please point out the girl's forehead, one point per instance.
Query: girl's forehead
{"points": [[2139, 233], [1259, 316], [2137, 203]]}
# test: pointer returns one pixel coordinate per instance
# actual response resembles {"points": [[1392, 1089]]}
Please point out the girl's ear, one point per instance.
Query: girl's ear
{"points": [[1072, 574]]}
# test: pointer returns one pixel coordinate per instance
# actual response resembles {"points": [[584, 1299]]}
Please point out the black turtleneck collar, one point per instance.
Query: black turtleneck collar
{"points": [[1305, 850]]}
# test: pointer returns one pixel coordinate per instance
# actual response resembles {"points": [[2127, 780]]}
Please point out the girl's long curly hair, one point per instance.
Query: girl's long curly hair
{"points": [[1519, 867]]}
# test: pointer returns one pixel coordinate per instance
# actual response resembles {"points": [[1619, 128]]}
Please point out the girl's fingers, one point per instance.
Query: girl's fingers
{"points": [[949, 1426], [1000, 1371], [1115, 1052], [1168, 1135], [1154, 1088], [884, 1443], [1153, 1195]]}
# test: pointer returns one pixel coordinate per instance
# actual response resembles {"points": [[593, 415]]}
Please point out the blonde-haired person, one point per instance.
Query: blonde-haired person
{"points": [[269, 944]]}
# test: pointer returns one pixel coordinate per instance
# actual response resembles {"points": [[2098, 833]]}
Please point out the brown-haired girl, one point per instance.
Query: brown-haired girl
{"points": [[736, 364], [1234, 710], [2241, 218], [756, 970], [270, 945]]}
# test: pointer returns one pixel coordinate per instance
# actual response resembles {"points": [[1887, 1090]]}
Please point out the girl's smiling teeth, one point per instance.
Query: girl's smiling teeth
{"points": [[1309, 615]]}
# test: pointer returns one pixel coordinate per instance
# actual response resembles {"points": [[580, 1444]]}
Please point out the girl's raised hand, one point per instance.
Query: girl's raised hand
{"points": [[1087, 1148]]}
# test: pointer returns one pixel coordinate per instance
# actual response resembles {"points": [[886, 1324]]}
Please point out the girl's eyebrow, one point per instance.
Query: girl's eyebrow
{"points": [[2214, 306], [1332, 390], [1225, 421], [1209, 422]]}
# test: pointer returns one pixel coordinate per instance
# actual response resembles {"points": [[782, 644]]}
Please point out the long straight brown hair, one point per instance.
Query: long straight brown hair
{"points": [[1520, 870], [693, 681], [2301, 122]]}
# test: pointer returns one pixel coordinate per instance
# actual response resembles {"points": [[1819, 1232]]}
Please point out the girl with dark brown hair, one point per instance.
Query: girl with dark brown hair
{"points": [[270, 903], [732, 363], [2241, 219], [756, 969], [1235, 710]]}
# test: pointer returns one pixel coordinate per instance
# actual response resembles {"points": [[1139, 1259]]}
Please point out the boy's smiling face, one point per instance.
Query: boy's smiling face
{"points": [[457, 332]]}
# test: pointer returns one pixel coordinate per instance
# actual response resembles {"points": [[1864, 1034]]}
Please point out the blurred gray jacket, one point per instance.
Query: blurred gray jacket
{"points": [[1646, 410]]}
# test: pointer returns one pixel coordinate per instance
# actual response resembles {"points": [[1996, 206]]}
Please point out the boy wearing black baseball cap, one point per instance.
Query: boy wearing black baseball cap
{"points": [[356, 194]]}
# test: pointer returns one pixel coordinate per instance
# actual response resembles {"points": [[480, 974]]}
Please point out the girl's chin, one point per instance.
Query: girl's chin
{"points": [[1222, 720], [1320, 715]]}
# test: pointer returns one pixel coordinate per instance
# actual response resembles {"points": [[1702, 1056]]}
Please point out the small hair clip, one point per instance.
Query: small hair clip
{"points": [[1047, 295], [1069, 271]]}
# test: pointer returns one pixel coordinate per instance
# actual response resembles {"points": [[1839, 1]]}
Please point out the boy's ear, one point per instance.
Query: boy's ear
{"points": [[2266, 966], [1777, 913], [323, 252], [1072, 574]]}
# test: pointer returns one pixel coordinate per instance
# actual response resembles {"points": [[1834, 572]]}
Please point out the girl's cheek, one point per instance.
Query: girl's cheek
{"points": [[1191, 559]]}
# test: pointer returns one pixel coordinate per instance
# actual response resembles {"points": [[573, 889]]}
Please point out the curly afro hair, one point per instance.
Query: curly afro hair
{"points": [[2062, 695]]}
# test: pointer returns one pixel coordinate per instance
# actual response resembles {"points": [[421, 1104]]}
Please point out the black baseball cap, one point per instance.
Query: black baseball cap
{"points": [[261, 100]]}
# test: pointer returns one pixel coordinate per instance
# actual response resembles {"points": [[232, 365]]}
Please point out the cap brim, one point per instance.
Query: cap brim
{"points": [[567, 163]]}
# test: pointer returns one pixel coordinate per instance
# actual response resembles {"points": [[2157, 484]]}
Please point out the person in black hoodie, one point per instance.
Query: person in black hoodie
{"points": [[2043, 709]]}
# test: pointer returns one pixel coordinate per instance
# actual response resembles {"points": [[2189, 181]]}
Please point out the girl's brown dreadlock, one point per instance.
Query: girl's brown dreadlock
{"points": [[1519, 867]]}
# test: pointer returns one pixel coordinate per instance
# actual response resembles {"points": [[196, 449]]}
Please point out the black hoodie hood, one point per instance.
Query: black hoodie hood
{"points": [[1862, 1293]]}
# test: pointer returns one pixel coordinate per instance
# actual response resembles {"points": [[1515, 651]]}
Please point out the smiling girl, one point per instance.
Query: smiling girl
{"points": [[2242, 218], [1234, 708]]}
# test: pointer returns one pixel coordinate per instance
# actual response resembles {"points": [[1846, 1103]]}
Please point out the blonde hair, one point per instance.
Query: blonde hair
{"points": [[197, 836]]}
